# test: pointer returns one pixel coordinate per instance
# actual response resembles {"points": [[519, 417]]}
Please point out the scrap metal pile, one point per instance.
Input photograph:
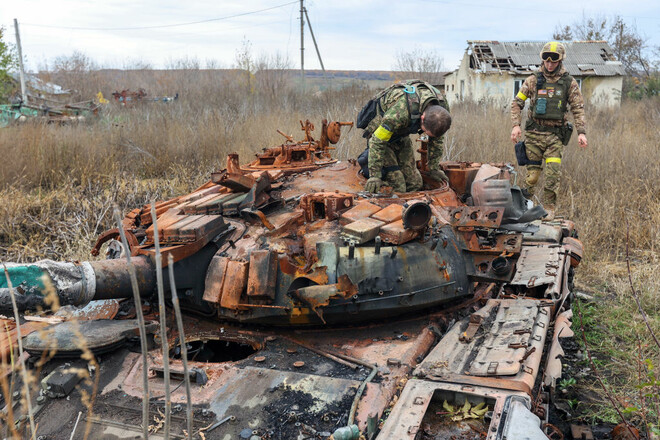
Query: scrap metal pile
{"points": [[314, 308], [128, 98], [51, 114]]}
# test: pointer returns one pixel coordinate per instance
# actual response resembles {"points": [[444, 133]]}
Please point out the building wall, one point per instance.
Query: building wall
{"points": [[453, 82], [498, 87], [604, 91]]}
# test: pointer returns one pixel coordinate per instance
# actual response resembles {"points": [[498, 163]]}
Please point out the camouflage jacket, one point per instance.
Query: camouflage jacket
{"points": [[395, 123], [528, 91]]}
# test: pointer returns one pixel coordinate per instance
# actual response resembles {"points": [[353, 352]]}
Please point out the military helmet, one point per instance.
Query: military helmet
{"points": [[553, 51]]}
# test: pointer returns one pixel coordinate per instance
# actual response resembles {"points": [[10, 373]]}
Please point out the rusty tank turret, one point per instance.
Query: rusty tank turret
{"points": [[289, 247]]}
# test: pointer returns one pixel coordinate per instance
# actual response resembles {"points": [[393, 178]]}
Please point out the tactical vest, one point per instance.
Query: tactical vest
{"points": [[551, 98]]}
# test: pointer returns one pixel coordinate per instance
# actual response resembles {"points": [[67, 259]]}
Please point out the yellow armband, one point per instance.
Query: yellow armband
{"points": [[383, 134]]}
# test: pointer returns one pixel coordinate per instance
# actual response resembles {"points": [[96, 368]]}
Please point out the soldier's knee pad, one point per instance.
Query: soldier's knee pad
{"points": [[397, 181], [533, 175]]}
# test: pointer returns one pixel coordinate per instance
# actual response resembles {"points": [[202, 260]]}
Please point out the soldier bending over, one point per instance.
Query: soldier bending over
{"points": [[400, 110]]}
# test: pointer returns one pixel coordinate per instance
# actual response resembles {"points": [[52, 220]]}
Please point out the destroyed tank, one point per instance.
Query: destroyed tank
{"points": [[313, 308]]}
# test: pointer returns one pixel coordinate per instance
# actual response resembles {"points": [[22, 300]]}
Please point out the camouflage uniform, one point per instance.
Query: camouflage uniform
{"points": [[542, 144], [391, 152]]}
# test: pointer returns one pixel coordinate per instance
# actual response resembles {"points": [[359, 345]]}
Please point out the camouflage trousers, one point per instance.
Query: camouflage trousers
{"points": [[545, 147], [399, 153]]}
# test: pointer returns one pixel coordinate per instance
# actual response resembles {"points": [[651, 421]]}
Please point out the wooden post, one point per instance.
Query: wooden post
{"points": [[302, 44], [21, 71]]}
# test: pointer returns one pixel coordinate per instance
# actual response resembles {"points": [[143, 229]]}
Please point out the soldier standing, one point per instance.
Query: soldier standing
{"points": [[550, 90], [400, 110]]}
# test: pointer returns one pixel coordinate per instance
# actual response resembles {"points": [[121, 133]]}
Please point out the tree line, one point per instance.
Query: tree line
{"points": [[640, 60]]}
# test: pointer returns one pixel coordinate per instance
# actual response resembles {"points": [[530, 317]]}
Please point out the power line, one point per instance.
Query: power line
{"points": [[518, 9], [159, 26]]}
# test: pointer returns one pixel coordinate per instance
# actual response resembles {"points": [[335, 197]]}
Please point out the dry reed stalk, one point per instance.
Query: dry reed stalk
{"points": [[24, 373], [8, 418], [634, 292], [642, 400], [143, 333], [182, 344], [163, 323], [87, 399]]}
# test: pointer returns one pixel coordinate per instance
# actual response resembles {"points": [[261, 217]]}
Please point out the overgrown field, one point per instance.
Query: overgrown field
{"points": [[58, 185]]}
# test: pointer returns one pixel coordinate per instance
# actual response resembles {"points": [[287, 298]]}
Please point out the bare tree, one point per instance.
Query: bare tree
{"points": [[591, 28], [8, 61], [628, 45], [562, 33], [77, 62], [136, 64], [184, 63], [420, 64], [272, 73], [213, 64], [244, 61], [77, 72]]}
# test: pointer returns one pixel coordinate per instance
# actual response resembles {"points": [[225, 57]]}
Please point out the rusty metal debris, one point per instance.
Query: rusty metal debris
{"points": [[581, 432], [299, 289], [50, 114], [126, 97], [624, 431]]}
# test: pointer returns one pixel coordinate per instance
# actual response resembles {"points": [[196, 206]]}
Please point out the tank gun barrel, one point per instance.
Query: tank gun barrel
{"points": [[74, 283]]}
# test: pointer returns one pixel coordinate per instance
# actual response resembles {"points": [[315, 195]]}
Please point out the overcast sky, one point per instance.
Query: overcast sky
{"points": [[351, 34]]}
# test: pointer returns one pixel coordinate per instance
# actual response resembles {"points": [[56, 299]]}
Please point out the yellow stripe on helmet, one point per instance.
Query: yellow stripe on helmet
{"points": [[383, 134], [553, 160], [521, 96], [553, 46]]}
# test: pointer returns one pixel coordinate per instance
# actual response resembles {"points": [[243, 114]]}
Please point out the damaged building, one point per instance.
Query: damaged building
{"points": [[495, 71]]}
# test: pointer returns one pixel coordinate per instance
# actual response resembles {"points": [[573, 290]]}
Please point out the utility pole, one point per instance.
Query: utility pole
{"points": [[21, 71], [302, 44], [309, 24]]}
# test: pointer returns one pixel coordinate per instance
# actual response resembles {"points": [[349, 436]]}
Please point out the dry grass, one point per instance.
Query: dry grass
{"points": [[58, 183]]}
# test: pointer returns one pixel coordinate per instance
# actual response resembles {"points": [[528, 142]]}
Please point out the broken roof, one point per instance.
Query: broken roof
{"points": [[38, 85], [594, 58]]}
